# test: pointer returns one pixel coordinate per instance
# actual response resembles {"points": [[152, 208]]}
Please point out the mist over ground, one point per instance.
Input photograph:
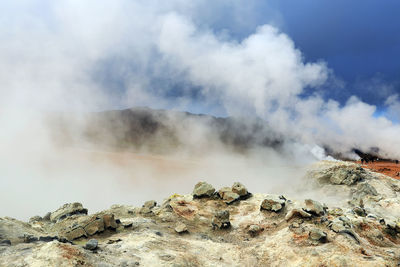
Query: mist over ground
{"points": [[76, 58]]}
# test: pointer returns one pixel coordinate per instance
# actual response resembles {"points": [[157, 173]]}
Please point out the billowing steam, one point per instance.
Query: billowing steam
{"points": [[77, 57]]}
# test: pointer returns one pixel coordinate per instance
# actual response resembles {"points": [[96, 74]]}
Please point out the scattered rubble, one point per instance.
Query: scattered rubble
{"points": [[229, 228]]}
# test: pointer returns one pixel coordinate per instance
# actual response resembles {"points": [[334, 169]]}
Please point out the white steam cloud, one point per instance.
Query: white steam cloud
{"points": [[98, 55]]}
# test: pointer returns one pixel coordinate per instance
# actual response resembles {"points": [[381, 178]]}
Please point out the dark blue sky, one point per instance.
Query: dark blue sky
{"points": [[360, 40]]}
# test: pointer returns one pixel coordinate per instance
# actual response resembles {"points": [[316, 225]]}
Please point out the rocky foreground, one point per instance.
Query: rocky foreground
{"points": [[228, 227]]}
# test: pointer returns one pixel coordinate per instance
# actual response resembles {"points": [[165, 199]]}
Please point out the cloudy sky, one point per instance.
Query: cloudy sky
{"points": [[315, 70]]}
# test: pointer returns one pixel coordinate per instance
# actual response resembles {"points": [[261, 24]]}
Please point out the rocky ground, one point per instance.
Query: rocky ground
{"points": [[391, 169], [227, 227]]}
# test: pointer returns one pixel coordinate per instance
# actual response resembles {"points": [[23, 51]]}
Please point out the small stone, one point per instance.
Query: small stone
{"points": [[317, 235], [297, 213], [273, 203], [221, 220], [150, 204], [314, 207], [181, 228], [227, 195], [203, 189], [239, 189], [254, 229], [91, 244]]}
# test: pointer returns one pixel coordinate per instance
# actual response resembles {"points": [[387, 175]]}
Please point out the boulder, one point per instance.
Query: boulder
{"points": [[221, 220], [273, 203], [67, 210], [203, 189], [314, 207], [227, 195]]}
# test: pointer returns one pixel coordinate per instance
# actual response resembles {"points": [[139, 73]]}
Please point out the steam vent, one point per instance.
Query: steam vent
{"points": [[226, 227], [199, 133]]}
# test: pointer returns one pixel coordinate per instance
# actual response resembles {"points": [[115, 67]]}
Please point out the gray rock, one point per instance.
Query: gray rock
{"points": [[239, 189], [314, 207], [227, 195], [317, 235], [91, 244], [203, 189], [221, 220], [273, 203], [67, 210]]}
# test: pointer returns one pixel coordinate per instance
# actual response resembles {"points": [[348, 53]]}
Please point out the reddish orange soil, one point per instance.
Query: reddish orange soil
{"points": [[388, 168]]}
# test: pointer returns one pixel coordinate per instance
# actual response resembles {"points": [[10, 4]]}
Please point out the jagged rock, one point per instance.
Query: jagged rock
{"points": [[314, 207], [203, 189], [366, 189], [150, 204], [109, 221], [318, 235], [95, 225], [67, 210], [227, 195], [75, 233], [254, 229], [181, 228], [339, 224], [345, 176], [297, 213], [46, 217], [221, 220], [273, 203], [359, 211], [239, 189], [35, 219], [91, 244]]}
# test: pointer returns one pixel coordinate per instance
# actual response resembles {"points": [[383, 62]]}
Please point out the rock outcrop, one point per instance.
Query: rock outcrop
{"points": [[207, 229]]}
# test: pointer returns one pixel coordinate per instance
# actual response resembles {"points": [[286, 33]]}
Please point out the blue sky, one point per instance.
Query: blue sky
{"points": [[360, 41]]}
